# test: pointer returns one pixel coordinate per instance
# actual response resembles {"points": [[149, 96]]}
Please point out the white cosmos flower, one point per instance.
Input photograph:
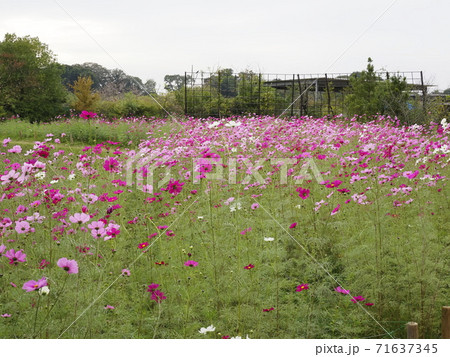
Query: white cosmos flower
{"points": [[232, 124], [44, 290], [213, 125], [53, 181], [204, 330], [269, 239], [71, 177], [40, 175]]}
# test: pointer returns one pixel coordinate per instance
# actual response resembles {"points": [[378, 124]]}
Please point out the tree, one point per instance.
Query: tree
{"points": [[446, 91], [173, 82], [369, 94], [86, 100], [30, 79]]}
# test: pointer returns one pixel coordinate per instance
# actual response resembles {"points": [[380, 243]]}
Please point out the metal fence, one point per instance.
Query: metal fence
{"points": [[224, 93]]}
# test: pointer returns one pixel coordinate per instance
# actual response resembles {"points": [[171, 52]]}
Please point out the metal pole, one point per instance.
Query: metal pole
{"points": [[259, 94], [292, 95], [330, 109], [185, 94], [424, 94], [218, 91]]}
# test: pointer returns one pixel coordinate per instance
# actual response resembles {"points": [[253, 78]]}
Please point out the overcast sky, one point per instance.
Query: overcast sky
{"points": [[150, 38]]}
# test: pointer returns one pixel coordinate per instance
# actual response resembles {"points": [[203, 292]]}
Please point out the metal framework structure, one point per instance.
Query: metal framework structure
{"points": [[224, 93]]}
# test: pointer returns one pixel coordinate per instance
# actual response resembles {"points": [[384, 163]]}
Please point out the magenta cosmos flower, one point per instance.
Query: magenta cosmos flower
{"points": [[357, 298], [303, 193], [293, 225], [15, 257], [341, 290], [333, 184], [248, 267], [302, 287], [175, 187], [336, 210], [33, 285], [70, 266], [191, 263], [111, 164]]}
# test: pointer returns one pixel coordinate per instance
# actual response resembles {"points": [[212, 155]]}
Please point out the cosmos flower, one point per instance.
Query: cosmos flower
{"points": [[33, 285], [204, 330], [302, 287], [303, 193], [191, 263], [15, 257], [342, 291], [70, 266], [79, 218], [355, 299]]}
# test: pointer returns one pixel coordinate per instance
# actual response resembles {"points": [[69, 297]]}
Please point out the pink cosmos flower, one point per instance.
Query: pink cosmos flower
{"points": [[79, 218], [255, 205], [15, 257], [87, 115], [303, 193], [22, 227], [191, 263], [355, 299], [152, 287], [33, 285], [2, 249], [109, 307], [126, 272], [333, 184], [174, 187], [302, 287], [70, 266], [10, 177], [6, 315], [111, 164], [335, 210], [143, 245], [17, 149], [158, 296], [342, 291]]}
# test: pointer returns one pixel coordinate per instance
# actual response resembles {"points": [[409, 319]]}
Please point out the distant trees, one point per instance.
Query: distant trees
{"points": [[110, 84], [369, 94], [86, 99], [30, 79]]}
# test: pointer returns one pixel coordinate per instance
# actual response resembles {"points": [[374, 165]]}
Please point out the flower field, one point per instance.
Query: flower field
{"points": [[241, 227]]}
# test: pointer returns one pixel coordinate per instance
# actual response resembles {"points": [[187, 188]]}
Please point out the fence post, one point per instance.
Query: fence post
{"points": [[330, 109], [293, 95], [259, 94], [185, 94], [412, 330], [424, 94], [445, 321], [219, 90]]}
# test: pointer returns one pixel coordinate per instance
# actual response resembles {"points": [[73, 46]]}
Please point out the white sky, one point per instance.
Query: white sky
{"points": [[150, 38]]}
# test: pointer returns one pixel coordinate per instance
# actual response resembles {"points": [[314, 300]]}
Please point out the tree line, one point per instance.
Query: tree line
{"points": [[34, 86]]}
